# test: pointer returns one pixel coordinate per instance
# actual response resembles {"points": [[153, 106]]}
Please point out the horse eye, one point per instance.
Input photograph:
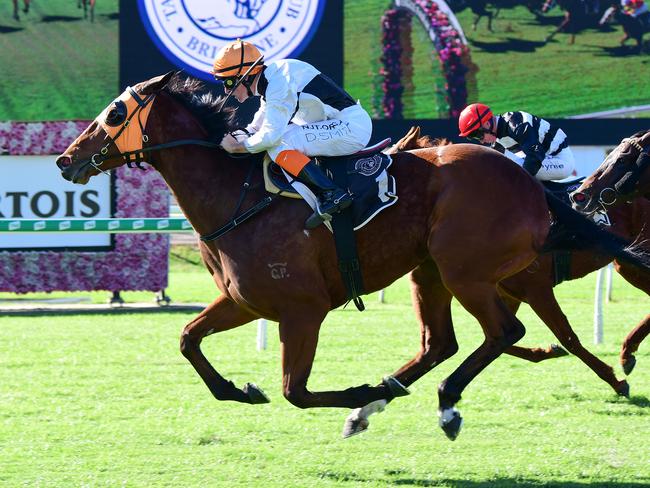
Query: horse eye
{"points": [[117, 114]]}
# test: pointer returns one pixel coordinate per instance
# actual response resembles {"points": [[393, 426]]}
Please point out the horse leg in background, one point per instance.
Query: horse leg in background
{"points": [[222, 314], [299, 327], [26, 6], [92, 10], [640, 280], [432, 303], [543, 302], [16, 16], [535, 354]]}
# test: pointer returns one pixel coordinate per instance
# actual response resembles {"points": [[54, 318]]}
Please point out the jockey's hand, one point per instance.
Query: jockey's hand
{"points": [[231, 145]]}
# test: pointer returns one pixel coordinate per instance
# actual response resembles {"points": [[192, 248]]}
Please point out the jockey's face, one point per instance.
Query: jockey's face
{"points": [[489, 132], [240, 93]]}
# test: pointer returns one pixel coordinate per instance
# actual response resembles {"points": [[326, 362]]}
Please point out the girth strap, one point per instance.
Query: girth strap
{"points": [[346, 244]]}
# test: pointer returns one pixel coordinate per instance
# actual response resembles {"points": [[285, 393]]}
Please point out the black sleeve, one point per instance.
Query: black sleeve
{"points": [[495, 145]]}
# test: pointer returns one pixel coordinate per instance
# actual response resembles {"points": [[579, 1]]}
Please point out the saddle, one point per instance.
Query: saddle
{"points": [[366, 177]]}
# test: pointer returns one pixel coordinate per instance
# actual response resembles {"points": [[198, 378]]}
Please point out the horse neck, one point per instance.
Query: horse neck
{"points": [[205, 181]]}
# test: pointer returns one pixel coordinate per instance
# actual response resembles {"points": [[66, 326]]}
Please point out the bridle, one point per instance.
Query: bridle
{"points": [[136, 157], [609, 195]]}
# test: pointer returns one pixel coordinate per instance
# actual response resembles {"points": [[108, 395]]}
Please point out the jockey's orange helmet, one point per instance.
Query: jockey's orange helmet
{"points": [[235, 59], [473, 117]]}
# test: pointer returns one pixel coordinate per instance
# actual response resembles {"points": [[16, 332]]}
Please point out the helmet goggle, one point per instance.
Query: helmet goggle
{"points": [[228, 83], [477, 135]]}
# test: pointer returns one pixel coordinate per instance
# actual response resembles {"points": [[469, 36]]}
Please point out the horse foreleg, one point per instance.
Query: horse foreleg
{"points": [[92, 10], [501, 328], [299, 337], [641, 280], [222, 314], [544, 304], [432, 303], [16, 16]]}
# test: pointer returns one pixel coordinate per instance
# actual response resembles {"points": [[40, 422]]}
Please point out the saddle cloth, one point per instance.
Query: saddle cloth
{"points": [[374, 189]]}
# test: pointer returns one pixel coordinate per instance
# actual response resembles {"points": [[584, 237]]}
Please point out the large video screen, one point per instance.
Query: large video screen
{"points": [[557, 59], [58, 58]]}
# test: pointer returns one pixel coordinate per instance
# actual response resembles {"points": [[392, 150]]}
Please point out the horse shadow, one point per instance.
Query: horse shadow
{"points": [[5, 29], [113, 16], [621, 51], [511, 44], [397, 478], [551, 20], [59, 18]]}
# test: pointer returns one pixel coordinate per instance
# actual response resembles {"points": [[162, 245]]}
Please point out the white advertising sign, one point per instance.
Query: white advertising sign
{"points": [[31, 187]]}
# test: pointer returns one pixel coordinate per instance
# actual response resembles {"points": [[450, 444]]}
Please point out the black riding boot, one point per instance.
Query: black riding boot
{"points": [[331, 198]]}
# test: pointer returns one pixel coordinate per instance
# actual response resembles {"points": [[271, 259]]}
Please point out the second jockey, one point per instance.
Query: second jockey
{"points": [[302, 114], [541, 148]]}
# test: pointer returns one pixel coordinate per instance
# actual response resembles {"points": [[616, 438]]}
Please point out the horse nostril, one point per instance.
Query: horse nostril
{"points": [[579, 197], [63, 162]]}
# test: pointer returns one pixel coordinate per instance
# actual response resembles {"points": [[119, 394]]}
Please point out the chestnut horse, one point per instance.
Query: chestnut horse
{"points": [[454, 202], [623, 177], [534, 284], [88, 6]]}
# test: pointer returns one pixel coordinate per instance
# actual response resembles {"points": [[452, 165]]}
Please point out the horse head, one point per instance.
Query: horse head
{"points": [[123, 133], [623, 175]]}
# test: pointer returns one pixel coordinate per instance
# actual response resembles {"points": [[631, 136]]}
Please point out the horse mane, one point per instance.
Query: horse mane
{"points": [[204, 102], [426, 141]]}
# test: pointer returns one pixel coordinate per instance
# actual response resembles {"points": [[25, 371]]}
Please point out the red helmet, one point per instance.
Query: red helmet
{"points": [[473, 117]]}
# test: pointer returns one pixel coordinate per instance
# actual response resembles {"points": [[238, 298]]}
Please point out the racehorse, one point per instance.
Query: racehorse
{"points": [[578, 14], [534, 285], [453, 201], [88, 5], [25, 8], [481, 8], [633, 26]]}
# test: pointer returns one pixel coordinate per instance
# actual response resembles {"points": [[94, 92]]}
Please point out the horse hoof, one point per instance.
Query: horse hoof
{"points": [[628, 364], [450, 422], [354, 426], [623, 389], [255, 394], [558, 351], [396, 388]]}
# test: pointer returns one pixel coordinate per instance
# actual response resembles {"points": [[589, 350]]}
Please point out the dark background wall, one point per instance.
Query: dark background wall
{"points": [[140, 60]]}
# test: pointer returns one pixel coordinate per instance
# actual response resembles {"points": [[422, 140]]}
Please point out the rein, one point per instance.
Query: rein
{"points": [[137, 157]]}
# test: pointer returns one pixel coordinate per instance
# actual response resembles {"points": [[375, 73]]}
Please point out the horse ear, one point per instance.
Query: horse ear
{"points": [[158, 83]]}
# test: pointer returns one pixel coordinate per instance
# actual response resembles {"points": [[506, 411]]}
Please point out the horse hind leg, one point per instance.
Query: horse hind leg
{"points": [[501, 328], [222, 314], [432, 303], [544, 304]]}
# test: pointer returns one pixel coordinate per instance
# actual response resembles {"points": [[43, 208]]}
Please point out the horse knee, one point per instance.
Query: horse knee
{"points": [[188, 343], [296, 396]]}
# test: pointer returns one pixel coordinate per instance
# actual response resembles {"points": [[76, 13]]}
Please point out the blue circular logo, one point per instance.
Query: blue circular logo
{"points": [[191, 32]]}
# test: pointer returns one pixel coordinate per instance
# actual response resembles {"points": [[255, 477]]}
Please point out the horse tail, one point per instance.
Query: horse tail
{"points": [[574, 231]]}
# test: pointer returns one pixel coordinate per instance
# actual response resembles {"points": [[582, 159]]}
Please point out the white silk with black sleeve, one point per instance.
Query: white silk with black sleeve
{"points": [[303, 110]]}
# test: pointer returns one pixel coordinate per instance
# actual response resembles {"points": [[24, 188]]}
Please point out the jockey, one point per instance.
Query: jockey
{"points": [[302, 114], [539, 147]]}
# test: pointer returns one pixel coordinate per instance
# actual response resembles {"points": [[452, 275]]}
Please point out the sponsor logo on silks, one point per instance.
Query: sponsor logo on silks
{"points": [[191, 32]]}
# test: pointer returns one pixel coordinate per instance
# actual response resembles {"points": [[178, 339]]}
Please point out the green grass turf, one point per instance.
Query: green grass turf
{"points": [[54, 65], [107, 401], [552, 80]]}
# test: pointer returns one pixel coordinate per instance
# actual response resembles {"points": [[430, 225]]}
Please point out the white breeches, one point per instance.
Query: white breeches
{"points": [[335, 137], [556, 167]]}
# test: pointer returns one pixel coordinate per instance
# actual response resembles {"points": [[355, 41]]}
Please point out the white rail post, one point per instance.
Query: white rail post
{"points": [[610, 268], [381, 295], [261, 334], [598, 308]]}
